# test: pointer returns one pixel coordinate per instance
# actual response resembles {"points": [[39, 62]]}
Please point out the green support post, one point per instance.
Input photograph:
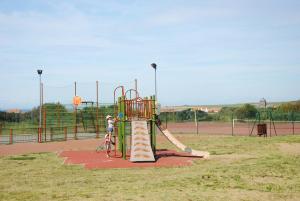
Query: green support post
{"points": [[153, 126], [120, 136], [123, 127]]}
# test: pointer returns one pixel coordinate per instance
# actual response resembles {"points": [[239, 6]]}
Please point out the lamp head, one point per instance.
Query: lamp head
{"points": [[153, 65], [39, 72]]}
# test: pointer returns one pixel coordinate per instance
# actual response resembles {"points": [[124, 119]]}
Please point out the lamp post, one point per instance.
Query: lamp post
{"points": [[153, 65], [40, 118]]}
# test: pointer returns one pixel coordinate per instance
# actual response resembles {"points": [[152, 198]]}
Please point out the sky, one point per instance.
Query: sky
{"points": [[206, 51]]}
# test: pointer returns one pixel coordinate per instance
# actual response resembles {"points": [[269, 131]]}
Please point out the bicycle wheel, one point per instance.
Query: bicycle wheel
{"points": [[108, 148], [100, 148]]}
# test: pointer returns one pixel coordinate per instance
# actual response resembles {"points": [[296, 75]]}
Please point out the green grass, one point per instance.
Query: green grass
{"points": [[240, 168]]}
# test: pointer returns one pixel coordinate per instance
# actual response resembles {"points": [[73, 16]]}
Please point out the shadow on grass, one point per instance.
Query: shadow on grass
{"points": [[23, 158], [164, 153]]}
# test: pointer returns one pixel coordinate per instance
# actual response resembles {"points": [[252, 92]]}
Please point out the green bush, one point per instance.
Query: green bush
{"points": [[247, 111]]}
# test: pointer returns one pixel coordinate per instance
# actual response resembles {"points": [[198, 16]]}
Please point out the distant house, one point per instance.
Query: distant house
{"points": [[204, 109], [210, 110], [13, 111], [214, 110]]}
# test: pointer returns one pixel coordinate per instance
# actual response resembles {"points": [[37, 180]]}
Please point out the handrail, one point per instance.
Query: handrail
{"points": [[129, 90], [123, 94]]}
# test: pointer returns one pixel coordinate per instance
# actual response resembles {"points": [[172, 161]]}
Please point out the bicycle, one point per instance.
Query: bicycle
{"points": [[106, 145]]}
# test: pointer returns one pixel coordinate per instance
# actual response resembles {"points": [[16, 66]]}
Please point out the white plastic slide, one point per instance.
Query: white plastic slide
{"points": [[181, 146], [140, 142]]}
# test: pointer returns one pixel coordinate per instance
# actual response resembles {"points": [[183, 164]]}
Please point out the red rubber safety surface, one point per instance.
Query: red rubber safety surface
{"points": [[99, 160], [83, 152]]}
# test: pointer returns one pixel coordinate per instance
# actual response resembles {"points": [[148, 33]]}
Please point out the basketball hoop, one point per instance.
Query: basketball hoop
{"points": [[263, 103], [76, 100]]}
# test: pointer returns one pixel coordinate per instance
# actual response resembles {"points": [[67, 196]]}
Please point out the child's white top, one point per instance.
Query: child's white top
{"points": [[110, 123]]}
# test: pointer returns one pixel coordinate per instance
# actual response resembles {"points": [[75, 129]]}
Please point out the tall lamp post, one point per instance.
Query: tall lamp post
{"points": [[153, 65], [40, 118], [154, 116]]}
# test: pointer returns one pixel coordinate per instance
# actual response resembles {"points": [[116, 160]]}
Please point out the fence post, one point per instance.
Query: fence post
{"points": [[38, 135], [75, 134], [166, 119], [51, 134], [196, 120], [97, 130], [232, 122], [66, 133], [10, 136], [293, 122], [197, 127]]}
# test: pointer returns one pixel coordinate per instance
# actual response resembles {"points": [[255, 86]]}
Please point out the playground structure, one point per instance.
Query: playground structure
{"points": [[135, 129], [132, 112], [141, 116]]}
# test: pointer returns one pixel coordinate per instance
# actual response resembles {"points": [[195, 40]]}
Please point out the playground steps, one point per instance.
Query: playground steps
{"points": [[140, 142]]}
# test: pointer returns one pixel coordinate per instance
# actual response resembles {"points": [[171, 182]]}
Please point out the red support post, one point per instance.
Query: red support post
{"points": [[39, 135], [10, 136], [45, 126], [75, 126], [97, 109]]}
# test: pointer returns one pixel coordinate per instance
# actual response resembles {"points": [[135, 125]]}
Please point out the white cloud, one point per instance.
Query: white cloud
{"points": [[27, 29], [179, 15]]}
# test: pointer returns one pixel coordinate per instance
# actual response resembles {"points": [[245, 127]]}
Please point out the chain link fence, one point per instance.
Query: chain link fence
{"points": [[198, 122], [59, 122]]}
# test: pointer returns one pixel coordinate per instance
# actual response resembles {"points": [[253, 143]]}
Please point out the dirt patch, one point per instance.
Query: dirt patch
{"points": [[267, 179], [98, 160], [290, 148], [230, 158], [26, 148]]}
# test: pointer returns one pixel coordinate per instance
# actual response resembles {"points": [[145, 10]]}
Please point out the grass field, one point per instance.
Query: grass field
{"points": [[240, 168]]}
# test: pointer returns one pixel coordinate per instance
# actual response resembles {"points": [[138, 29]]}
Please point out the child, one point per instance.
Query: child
{"points": [[110, 124], [110, 129]]}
